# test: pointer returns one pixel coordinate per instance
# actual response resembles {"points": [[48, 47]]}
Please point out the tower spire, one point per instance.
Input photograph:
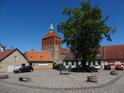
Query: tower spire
{"points": [[51, 28]]}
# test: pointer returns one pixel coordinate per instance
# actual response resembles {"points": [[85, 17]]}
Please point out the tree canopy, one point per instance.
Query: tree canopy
{"points": [[84, 30]]}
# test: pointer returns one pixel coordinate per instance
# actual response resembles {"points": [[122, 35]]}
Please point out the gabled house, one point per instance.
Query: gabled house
{"points": [[40, 60], [9, 59]]}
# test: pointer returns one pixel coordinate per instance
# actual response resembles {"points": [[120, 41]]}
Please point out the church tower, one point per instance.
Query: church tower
{"points": [[52, 43]]}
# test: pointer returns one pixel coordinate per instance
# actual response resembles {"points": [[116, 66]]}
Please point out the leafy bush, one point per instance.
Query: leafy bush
{"points": [[84, 69], [92, 69], [77, 70], [57, 66]]}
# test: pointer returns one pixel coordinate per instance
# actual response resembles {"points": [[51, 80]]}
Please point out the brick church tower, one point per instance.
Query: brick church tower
{"points": [[52, 43]]}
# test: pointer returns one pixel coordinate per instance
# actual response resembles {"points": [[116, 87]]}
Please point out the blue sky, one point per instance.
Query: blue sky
{"points": [[23, 23]]}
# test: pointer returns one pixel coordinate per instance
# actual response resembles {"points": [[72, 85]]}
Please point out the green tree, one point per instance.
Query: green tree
{"points": [[84, 30]]}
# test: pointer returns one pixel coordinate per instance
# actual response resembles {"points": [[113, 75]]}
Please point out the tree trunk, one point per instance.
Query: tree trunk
{"points": [[83, 63]]}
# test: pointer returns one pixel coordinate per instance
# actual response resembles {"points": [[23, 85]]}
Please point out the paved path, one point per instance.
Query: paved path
{"points": [[113, 87], [52, 79]]}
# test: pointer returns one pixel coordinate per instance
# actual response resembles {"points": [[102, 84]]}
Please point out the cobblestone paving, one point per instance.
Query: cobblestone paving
{"points": [[117, 87]]}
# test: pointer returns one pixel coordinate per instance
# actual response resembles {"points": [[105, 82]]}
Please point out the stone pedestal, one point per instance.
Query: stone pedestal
{"points": [[92, 78], [5, 76], [114, 73], [25, 79]]}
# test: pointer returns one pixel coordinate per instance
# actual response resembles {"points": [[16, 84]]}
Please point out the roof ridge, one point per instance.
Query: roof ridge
{"points": [[6, 53], [9, 50], [52, 34], [36, 51]]}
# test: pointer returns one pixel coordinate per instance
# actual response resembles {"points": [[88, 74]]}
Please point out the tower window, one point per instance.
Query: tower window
{"points": [[60, 42], [47, 42], [56, 41]]}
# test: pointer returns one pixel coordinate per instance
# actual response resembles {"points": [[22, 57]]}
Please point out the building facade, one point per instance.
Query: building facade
{"points": [[114, 55], [70, 59], [10, 59], [76, 62], [40, 60], [108, 55]]}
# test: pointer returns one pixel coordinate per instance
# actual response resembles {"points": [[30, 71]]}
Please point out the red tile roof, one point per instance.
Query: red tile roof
{"points": [[64, 51], [6, 53], [38, 56], [52, 34], [70, 56], [114, 52]]}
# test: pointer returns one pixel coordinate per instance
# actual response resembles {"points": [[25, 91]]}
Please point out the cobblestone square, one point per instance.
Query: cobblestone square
{"points": [[50, 81]]}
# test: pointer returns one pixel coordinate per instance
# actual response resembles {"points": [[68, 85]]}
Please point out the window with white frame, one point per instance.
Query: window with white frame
{"points": [[43, 65], [15, 58], [66, 63], [72, 62]]}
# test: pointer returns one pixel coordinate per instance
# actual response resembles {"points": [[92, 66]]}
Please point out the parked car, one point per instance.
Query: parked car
{"points": [[98, 67], [107, 67], [24, 69], [16, 68], [119, 67]]}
